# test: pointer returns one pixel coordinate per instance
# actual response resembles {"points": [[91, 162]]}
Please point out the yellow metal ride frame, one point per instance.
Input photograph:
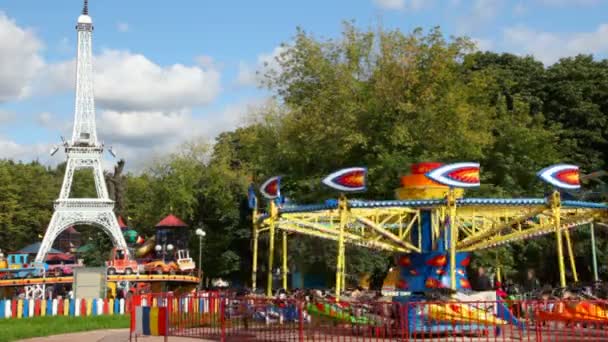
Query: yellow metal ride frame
{"points": [[480, 223]]}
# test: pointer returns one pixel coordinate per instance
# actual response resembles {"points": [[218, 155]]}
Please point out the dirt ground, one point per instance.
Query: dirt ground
{"points": [[116, 335]]}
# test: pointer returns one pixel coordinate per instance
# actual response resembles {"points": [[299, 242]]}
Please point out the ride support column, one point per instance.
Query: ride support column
{"points": [[451, 202], [342, 208], [556, 210], [571, 255], [593, 252], [284, 259], [254, 266], [273, 216]]}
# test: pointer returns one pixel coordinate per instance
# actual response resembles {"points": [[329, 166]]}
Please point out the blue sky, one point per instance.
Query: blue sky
{"points": [[168, 71]]}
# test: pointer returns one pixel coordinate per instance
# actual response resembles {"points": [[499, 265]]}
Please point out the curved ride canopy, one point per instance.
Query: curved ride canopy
{"points": [[419, 225]]}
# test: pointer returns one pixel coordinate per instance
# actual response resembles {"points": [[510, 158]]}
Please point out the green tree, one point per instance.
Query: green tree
{"points": [[9, 204], [577, 98], [517, 79]]}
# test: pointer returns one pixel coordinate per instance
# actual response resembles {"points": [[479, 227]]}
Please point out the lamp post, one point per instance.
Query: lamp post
{"points": [[164, 248], [201, 234]]}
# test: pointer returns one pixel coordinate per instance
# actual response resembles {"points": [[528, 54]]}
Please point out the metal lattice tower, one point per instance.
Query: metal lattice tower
{"points": [[83, 151], [84, 122]]}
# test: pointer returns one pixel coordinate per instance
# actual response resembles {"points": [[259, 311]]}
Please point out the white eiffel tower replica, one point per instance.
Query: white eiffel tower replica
{"points": [[83, 151]]}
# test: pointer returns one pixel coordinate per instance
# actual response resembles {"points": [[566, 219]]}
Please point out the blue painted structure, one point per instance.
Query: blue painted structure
{"points": [[18, 267], [430, 269]]}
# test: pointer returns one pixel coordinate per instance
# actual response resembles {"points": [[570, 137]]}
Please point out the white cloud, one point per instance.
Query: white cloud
{"points": [[20, 59], [549, 47], [418, 4], [486, 9], [65, 46], [390, 4], [520, 9], [483, 44], [232, 116], [481, 13], [125, 81], [247, 75], [55, 78], [10, 149], [569, 2], [252, 75], [400, 5], [143, 108], [45, 119], [145, 128], [139, 137], [6, 116], [205, 61], [122, 27], [162, 128]]}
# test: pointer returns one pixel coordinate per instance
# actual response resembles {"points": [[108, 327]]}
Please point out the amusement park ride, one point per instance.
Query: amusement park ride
{"points": [[431, 226], [84, 151]]}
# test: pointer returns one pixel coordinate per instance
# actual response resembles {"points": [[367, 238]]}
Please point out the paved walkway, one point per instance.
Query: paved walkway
{"points": [[115, 335]]}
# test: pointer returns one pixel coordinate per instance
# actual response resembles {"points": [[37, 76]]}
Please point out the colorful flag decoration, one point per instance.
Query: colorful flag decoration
{"points": [[459, 175], [351, 179], [140, 240], [561, 175], [271, 188], [252, 200]]}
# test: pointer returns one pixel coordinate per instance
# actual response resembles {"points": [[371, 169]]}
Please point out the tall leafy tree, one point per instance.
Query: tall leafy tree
{"points": [[577, 98]]}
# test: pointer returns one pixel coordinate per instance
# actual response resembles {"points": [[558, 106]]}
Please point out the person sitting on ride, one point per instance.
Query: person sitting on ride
{"points": [[531, 283], [483, 282], [546, 297], [281, 298], [499, 291]]}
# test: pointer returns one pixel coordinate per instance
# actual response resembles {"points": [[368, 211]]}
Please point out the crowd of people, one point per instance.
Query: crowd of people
{"points": [[483, 282], [531, 288]]}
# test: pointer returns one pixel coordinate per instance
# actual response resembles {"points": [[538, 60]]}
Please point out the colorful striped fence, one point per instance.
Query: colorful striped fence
{"points": [[18, 308], [150, 321], [155, 314]]}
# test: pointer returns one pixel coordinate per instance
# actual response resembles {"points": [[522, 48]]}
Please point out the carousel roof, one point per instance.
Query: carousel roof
{"points": [[59, 257], [33, 248], [171, 221], [71, 230]]}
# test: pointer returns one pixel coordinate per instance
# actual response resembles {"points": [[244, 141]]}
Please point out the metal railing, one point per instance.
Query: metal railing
{"points": [[219, 317]]}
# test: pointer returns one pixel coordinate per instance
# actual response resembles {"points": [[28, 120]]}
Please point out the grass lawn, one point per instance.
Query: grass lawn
{"points": [[14, 329]]}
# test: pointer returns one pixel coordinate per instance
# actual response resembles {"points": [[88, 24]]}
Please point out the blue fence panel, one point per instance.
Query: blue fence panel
{"points": [[26, 308], [145, 318], [49, 307]]}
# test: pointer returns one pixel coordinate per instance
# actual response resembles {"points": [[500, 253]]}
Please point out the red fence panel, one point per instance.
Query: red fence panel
{"points": [[217, 316]]}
